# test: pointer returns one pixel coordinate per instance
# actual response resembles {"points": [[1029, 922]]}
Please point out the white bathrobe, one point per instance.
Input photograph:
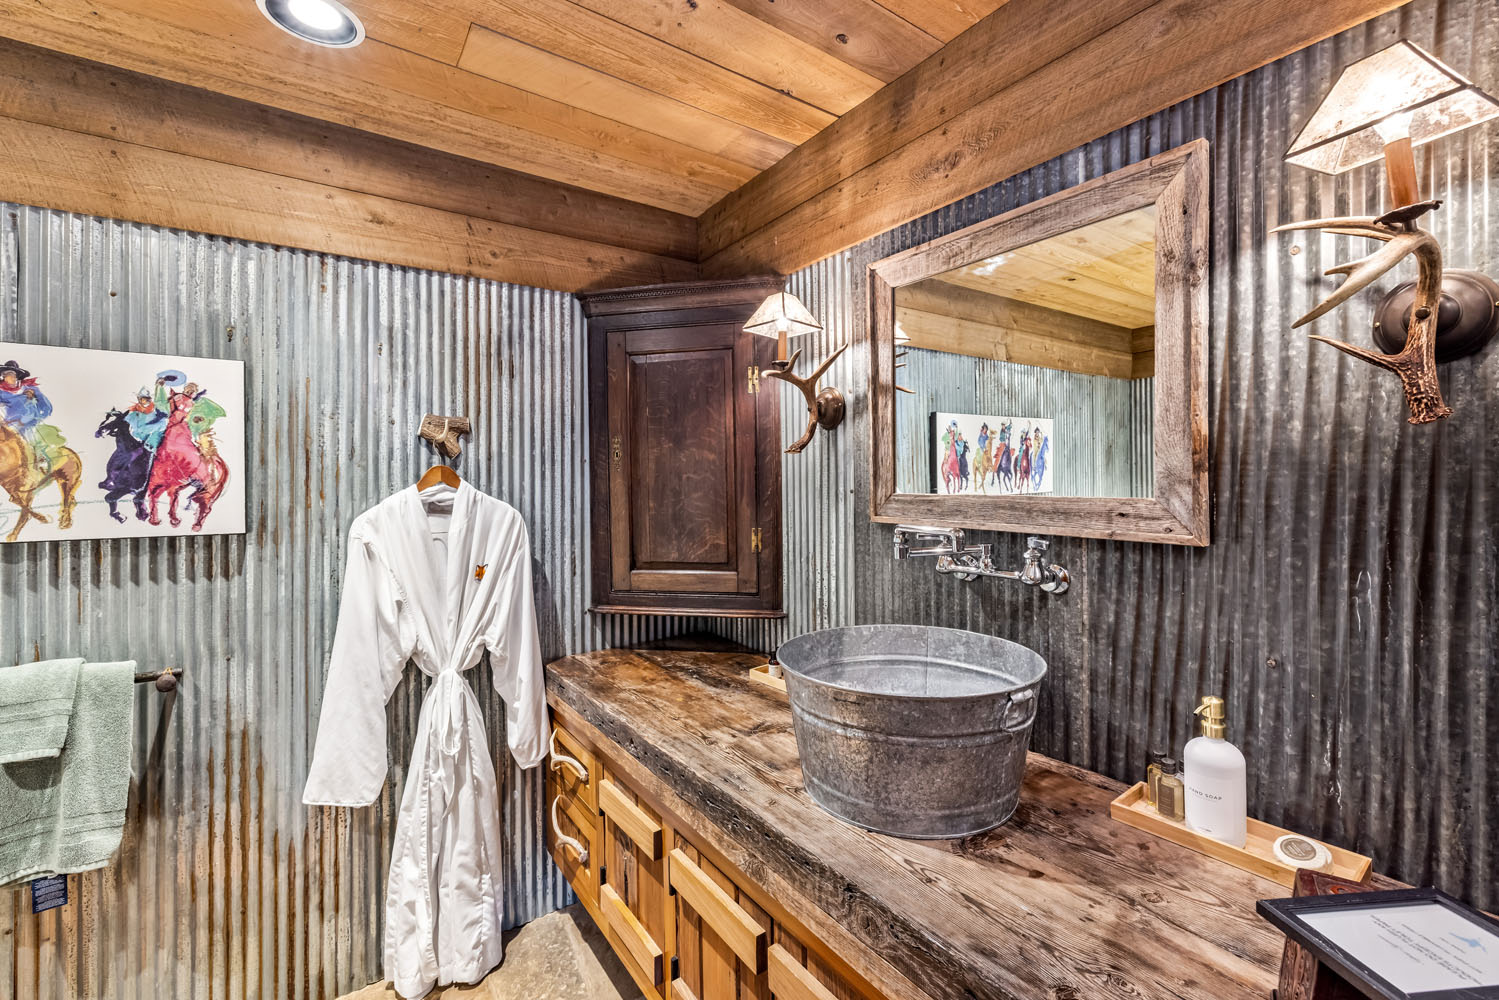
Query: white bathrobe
{"points": [[436, 577]]}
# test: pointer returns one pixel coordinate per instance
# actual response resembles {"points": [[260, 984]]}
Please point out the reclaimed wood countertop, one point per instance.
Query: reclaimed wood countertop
{"points": [[1062, 902]]}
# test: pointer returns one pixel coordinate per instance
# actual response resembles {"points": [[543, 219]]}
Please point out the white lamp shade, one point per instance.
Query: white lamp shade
{"points": [[1396, 91], [781, 313]]}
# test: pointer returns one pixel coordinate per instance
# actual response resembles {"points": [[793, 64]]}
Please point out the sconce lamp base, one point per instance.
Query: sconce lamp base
{"points": [[1467, 315], [830, 408]]}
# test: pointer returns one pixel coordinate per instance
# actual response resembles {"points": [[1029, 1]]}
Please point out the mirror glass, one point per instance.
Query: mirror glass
{"points": [[1032, 372]]}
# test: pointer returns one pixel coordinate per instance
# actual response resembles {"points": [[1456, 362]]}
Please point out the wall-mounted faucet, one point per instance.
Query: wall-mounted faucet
{"points": [[969, 562]]}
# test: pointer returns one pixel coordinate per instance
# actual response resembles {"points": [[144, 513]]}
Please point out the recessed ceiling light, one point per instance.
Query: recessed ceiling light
{"points": [[322, 22]]}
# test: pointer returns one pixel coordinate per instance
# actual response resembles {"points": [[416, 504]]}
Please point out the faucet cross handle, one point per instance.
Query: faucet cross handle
{"points": [[1039, 544]]}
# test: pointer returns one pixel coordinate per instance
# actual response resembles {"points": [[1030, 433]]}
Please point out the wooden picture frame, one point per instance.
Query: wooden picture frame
{"points": [[1176, 183]]}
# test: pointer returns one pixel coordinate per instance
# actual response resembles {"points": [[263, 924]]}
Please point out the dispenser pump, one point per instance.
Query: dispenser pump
{"points": [[1211, 713]]}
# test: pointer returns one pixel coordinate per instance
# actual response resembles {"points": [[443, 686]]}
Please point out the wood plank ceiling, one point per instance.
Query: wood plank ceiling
{"points": [[669, 103]]}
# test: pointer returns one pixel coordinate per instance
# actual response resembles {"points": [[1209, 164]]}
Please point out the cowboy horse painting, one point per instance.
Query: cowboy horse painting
{"points": [[165, 458], [1011, 455], [33, 453]]}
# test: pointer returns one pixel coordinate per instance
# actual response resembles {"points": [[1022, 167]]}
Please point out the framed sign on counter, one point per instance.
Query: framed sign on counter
{"points": [[1404, 944]]}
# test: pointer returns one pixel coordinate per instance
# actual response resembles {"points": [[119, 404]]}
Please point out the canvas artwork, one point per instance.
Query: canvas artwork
{"points": [[976, 455], [104, 444]]}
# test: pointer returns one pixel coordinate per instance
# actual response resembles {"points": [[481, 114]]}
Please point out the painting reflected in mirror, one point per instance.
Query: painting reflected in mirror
{"points": [[1030, 371]]}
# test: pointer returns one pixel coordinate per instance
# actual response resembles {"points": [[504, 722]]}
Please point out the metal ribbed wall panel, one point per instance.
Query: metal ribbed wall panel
{"points": [[1347, 604], [1097, 438], [226, 887]]}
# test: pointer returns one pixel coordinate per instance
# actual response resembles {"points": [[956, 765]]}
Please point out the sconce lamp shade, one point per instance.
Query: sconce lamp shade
{"points": [[1398, 92], [782, 313]]}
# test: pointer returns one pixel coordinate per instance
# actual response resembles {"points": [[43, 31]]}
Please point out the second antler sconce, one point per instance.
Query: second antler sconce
{"points": [[1383, 106], [783, 316]]}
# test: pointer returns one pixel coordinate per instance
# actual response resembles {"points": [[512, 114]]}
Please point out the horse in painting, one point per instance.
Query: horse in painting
{"points": [[129, 467], [21, 479]]}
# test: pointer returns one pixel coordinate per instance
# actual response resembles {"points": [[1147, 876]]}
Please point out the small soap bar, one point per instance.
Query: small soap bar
{"points": [[1302, 852]]}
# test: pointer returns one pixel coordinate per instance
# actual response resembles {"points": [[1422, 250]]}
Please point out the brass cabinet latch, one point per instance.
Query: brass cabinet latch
{"points": [[753, 377], [757, 541]]}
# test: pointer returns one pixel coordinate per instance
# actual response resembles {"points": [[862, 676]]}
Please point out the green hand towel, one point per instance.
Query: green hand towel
{"points": [[36, 702], [66, 813]]}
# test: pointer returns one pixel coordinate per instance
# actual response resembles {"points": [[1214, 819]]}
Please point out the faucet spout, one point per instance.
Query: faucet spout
{"points": [[969, 562]]}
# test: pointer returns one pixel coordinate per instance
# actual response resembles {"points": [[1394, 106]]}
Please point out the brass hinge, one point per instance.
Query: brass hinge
{"points": [[757, 541], [753, 377]]}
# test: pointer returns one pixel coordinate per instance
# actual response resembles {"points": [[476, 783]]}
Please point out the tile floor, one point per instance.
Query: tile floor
{"points": [[561, 956]]}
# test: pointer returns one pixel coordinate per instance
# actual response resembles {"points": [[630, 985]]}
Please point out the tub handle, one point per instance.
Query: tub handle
{"points": [[1020, 711], [560, 759], [563, 840]]}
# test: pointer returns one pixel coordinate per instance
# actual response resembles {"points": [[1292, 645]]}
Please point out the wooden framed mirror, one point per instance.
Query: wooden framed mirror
{"points": [[1045, 370]]}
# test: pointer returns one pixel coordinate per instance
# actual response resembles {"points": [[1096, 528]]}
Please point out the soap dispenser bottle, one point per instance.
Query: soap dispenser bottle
{"points": [[1213, 772]]}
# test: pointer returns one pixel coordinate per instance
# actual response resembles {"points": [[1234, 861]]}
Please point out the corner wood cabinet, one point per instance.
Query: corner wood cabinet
{"points": [[685, 436], [686, 924]]}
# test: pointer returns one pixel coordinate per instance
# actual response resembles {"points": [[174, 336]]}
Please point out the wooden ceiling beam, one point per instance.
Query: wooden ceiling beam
{"points": [[75, 172], [1166, 53], [49, 88], [982, 62]]}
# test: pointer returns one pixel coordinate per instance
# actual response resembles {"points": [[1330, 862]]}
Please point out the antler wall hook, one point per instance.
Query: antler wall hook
{"points": [[1416, 362], [444, 432], [824, 408]]}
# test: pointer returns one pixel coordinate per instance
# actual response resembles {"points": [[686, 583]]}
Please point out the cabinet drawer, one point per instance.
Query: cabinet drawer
{"points": [[721, 933], [573, 767]]}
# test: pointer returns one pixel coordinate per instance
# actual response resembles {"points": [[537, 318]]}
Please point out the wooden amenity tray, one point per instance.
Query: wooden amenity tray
{"points": [[1257, 855]]}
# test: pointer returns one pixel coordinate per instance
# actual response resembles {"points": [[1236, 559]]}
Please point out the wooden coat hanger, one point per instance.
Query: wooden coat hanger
{"points": [[443, 432]]}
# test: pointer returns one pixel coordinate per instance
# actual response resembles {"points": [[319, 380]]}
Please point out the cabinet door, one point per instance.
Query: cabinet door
{"points": [[632, 891], [722, 936], [683, 490]]}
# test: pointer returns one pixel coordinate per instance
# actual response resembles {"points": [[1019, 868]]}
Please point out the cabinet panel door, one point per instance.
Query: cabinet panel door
{"points": [[708, 967], [632, 893], [683, 477]]}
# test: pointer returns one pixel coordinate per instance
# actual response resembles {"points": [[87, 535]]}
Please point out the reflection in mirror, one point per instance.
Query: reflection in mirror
{"points": [[1032, 371]]}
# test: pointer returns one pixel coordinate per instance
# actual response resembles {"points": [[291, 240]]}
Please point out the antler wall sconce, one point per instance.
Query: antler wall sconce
{"points": [[783, 316], [1384, 106]]}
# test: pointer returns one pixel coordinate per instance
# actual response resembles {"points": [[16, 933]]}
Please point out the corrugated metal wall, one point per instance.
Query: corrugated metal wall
{"points": [[1346, 606], [226, 886], [1098, 438]]}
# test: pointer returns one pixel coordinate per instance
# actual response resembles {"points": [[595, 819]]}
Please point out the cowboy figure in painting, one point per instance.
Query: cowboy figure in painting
{"points": [[185, 454], [24, 406], [33, 453]]}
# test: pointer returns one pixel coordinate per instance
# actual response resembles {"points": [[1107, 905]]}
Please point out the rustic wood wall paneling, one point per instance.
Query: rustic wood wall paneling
{"points": [[979, 110], [83, 137]]}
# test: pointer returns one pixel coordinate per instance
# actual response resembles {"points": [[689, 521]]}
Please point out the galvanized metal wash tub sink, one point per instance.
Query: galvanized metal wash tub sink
{"points": [[910, 730]]}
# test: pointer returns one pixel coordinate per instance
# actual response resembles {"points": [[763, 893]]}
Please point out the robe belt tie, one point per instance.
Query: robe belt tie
{"points": [[451, 699]]}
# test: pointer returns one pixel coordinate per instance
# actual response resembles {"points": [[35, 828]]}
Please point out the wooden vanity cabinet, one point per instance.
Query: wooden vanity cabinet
{"points": [[686, 478], [686, 924]]}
